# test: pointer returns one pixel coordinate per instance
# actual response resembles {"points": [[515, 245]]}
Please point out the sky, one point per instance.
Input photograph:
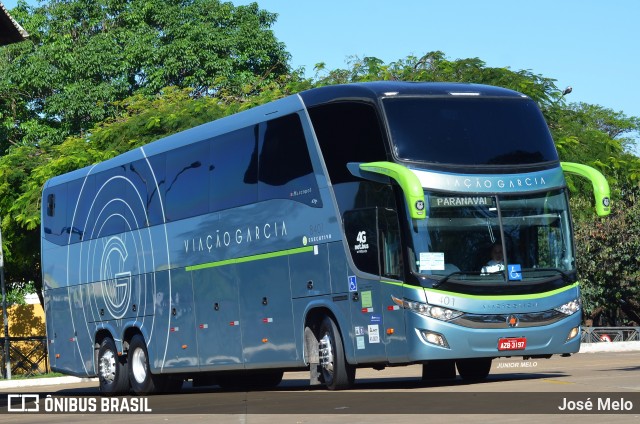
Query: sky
{"points": [[591, 45]]}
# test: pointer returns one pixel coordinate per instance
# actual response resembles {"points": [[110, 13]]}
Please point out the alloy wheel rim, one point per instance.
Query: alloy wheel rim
{"points": [[108, 366], [139, 365]]}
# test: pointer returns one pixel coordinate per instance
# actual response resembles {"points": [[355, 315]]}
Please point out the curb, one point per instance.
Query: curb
{"points": [[609, 347], [34, 382]]}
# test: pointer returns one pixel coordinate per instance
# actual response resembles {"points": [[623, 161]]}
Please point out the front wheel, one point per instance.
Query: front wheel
{"points": [[112, 369], [474, 369], [337, 374]]}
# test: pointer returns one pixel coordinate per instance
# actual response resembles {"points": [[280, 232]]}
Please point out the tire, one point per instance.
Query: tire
{"points": [[444, 369], [112, 369], [140, 377], [474, 369], [335, 372]]}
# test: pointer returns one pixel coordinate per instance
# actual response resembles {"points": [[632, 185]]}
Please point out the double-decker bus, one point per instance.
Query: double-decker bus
{"points": [[361, 225]]}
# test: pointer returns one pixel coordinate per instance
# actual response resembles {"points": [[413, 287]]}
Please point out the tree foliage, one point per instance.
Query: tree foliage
{"points": [[608, 260], [84, 56], [63, 91], [434, 66]]}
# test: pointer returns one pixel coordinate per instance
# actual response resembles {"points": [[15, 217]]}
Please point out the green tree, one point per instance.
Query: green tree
{"points": [[83, 59], [83, 56], [608, 262], [25, 169], [434, 66]]}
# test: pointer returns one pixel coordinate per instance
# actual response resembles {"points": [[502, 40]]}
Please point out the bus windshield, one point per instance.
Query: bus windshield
{"points": [[489, 238], [465, 130]]}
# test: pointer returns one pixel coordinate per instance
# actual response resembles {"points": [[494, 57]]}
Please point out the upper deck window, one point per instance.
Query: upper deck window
{"points": [[469, 131]]}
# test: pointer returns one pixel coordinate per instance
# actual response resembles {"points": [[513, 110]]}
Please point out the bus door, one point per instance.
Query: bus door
{"points": [[374, 244]]}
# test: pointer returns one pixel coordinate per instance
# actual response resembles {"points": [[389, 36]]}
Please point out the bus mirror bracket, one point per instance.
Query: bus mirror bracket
{"points": [[600, 185], [406, 179]]}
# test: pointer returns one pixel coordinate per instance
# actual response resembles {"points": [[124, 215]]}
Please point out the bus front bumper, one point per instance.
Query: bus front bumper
{"points": [[431, 339]]}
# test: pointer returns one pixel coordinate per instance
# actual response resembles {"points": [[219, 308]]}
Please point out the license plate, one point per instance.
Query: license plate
{"points": [[512, 343]]}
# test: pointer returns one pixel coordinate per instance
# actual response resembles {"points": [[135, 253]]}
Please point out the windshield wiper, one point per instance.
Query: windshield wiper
{"points": [[566, 277], [446, 278]]}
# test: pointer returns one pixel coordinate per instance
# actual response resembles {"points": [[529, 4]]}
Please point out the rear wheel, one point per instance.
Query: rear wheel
{"points": [[474, 369], [335, 371], [142, 380], [112, 369]]}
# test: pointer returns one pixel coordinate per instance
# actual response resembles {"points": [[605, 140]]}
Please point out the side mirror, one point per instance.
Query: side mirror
{"points": [[600, 185]]}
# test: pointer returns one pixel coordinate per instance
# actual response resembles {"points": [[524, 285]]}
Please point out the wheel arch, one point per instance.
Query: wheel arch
{"points": [[101, 334], [314, 315]]}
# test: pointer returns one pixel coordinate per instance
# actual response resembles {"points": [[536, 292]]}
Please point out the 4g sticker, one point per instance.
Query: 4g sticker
{"points": [[362, 246]]}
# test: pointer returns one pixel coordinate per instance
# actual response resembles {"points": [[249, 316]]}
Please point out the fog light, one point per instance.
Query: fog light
{"points": [[573, 333], [434, 338]]}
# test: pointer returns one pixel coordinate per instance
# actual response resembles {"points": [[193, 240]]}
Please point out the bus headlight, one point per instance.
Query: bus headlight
{"points": [[570, 308], [437, 312]]}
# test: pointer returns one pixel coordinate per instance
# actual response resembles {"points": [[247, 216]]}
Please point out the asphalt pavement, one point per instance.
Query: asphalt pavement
{"points": [[586, 348]]}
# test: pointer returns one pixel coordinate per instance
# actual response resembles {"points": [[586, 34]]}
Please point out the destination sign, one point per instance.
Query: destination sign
{"points": [[461, 201]]}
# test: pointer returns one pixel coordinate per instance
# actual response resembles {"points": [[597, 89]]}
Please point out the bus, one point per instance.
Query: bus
{"points": [[343, 227]]}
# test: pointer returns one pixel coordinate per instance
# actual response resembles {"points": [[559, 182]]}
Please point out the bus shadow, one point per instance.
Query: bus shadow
{"points": [[386, 383], [369, 383]]}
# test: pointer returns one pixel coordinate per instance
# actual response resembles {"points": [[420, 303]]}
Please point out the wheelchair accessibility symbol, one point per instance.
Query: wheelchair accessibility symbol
{"points": [[353, 285], [515, 273]]}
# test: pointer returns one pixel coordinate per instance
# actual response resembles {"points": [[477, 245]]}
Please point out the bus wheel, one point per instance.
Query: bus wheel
{"points": [[442, 369], [142, 381], [112, 369], [474, 369], [336, 372]]}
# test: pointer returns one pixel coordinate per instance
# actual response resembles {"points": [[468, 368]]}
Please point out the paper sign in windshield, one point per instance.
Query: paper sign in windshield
{"points": [[431, 261]]}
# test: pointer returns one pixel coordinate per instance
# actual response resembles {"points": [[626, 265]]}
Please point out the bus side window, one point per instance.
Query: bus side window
{"points": [[347, 131], [234, 169], [373, 235], [80, 195], [54, 221], [187, 182], [390, 247], [51, 205], [360, 227], [285, 170]]}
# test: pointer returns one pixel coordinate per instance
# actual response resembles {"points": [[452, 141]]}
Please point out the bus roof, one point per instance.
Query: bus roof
{"points": [[375, 90], [367, 91]]}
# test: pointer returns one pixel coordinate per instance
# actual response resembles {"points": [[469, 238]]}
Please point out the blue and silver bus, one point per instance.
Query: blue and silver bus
{"points": [[360, 225]]}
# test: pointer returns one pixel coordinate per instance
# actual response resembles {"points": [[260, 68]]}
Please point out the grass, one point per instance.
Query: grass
{"points": [[26, 377]]}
